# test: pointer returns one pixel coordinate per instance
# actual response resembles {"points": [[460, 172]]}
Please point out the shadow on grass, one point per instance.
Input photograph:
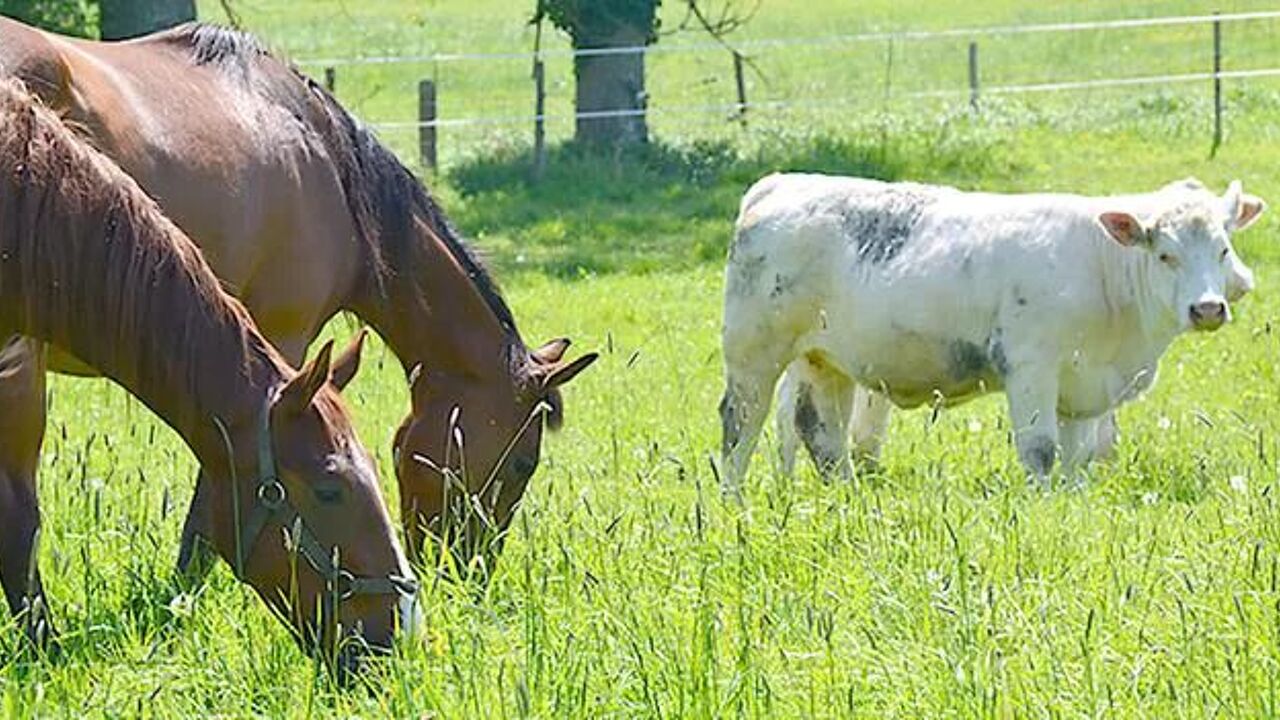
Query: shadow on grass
{"points": [[672, 206]]}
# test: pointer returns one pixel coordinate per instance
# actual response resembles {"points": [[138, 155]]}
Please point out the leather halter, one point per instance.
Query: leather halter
{"points": [[272, 502]]}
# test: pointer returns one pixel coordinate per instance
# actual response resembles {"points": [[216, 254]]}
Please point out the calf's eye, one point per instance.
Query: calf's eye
{"points": [[1168, 259], [1223, 256]]}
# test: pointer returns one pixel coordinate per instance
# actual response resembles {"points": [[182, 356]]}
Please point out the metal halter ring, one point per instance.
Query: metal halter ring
{"points": [[271, 494], [344, 584]]}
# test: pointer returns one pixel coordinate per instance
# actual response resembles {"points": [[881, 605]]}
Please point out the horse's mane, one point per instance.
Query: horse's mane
{"points": [[99, 267], [211, 44], [383, 196]]}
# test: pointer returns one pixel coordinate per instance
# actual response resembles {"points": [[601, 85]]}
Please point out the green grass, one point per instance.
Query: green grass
{"points": [[945, 586]]}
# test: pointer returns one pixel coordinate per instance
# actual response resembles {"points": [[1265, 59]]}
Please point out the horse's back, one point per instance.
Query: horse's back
{"points": [[34, 56], [224, 137]]}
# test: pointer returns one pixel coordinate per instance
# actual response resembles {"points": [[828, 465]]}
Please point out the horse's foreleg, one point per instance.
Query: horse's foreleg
{"points": [[195, 554], [22, 420]]}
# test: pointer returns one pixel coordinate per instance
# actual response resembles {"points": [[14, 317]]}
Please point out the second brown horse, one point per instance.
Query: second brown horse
{"points": [[89, 263], [303, 213]]}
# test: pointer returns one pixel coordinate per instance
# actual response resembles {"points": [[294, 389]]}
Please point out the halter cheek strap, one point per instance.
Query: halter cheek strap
{"points": [[271, 502]]}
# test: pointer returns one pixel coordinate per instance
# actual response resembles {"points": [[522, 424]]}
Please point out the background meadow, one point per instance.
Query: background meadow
{"points": [[943, 586]]}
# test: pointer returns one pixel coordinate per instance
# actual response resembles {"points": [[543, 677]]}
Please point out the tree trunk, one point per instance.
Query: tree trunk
{"points": [[612, 83], [123, 19]]}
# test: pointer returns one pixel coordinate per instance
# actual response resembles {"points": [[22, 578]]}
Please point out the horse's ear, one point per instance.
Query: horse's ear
{"points": [[561, 374], [551, 353], [414, 377], [298, 392], [348, 363]]}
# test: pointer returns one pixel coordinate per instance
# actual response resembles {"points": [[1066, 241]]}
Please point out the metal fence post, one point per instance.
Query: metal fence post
{"points": [[1217, 85], [973, 75], [426, 123]]}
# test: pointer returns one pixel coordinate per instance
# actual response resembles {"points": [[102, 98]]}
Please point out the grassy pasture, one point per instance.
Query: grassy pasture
{"points": [[944, 586]]}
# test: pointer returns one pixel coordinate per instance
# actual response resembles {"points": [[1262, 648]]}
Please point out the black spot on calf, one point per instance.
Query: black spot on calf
{"points": [[967, 361], [746, 275], [995, 349], [810, 427], [808, 422], [781, 286], [730, 425], [880, 225], [1040, 455]]}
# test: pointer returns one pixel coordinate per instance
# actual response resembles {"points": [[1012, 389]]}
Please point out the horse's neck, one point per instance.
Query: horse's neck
{"points": [[128, 305], [432, 313]]}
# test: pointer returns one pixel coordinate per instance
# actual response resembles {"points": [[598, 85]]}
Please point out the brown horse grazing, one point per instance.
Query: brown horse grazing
{"points": [[89, 263], [303, 213]]}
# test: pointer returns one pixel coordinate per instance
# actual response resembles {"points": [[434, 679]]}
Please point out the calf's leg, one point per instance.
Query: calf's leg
{"points": [[1079, 441], [785, 420], [1108, 434], [1032, 390], [868, 425], [743, 408], [1084, 441], [823, 399]]}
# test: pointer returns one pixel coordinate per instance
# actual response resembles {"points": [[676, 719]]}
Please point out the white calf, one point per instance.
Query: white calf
{"points": [[872, 294]]}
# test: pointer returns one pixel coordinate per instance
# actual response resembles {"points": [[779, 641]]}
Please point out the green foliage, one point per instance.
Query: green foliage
{"points": [[594, 23], [69, 17]]}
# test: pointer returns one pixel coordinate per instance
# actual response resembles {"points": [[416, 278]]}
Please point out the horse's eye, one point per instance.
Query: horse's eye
{"points": [[328, 494], [1223, 256], [1168, 259]]}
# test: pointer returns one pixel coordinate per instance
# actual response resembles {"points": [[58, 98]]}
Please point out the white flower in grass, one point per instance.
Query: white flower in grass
{"points": [[1164, 423], [1150, 498], [975, 426], [1239, 483], [182, 605]]}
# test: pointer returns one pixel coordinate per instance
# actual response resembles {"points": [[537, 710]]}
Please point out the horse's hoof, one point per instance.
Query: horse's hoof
{"points": [[41, 635]]}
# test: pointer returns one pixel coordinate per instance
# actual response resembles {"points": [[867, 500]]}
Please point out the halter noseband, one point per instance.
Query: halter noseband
{"points": [[272, 502]]}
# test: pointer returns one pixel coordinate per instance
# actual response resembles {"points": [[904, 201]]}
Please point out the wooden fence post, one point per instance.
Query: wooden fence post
{"points": [[741, 81], [539, 119], [330, 79], [1217, 86], [973, 75], [426, 123]]}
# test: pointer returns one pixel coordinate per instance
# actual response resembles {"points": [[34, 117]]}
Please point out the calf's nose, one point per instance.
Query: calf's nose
{"points": [[1209, 314]]}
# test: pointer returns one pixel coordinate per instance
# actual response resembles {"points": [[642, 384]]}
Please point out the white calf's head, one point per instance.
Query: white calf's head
{"points": [[1195, 270]]}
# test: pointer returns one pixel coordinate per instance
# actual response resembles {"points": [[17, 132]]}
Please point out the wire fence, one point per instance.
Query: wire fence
{"points": [[707, 90]]}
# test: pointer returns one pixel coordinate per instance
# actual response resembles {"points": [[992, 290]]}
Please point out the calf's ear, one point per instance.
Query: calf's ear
{"points": [[1124, 228], [1242, 209]]}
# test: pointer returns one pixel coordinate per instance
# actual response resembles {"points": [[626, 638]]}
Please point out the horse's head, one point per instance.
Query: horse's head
{"points": [[468, 448], [313, 537]]}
